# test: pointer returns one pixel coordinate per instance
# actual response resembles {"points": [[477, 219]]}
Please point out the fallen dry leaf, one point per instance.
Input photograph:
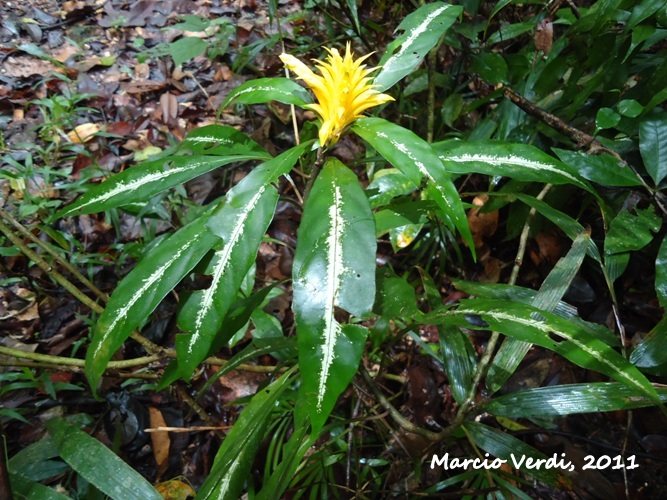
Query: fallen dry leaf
{"points": [[160, 441], [482, 225], [83, 133]]}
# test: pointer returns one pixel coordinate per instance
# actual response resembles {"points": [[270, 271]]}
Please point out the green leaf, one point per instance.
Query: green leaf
{"points": [[395, 297], [547, 330], [651, 354], [386, 185], [661, 274], [143, 181], [630, 107], [491, 67], [512, 351], [233, 462], [352, 6], [451, 109], [567, 224], [261, 90], [414, 157], [642, 11], [603, 169], [25, 488], [592, 397], [523, 295], [98, 464], [606, 118], [455, 348], [628, 233], [653, 144], [293, 452], [517, 161], [187, 48], [506, 447], [402, 214], [240, 223], [422, 31], [140, 292], [334, 267], [509, 31], [214, 140]]}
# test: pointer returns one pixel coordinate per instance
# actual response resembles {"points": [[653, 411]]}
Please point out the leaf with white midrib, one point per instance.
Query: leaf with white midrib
{"points": [[333, 268], [240, 223]]}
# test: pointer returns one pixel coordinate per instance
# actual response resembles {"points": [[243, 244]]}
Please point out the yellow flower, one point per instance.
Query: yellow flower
{"points": [[343, 91]]}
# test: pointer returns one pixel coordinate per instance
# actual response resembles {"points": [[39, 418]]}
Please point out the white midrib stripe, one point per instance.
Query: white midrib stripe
{"points": [[123, 188], [508, 160], [334, 270], [545, 328], [148, 283], [224, 256], [414, 34]]}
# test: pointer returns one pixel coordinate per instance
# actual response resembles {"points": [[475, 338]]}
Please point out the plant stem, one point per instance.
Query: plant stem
{"points": [[495, 336], [64, 361], [47, 248], [48, 269], [404, 423], [317, 168]]}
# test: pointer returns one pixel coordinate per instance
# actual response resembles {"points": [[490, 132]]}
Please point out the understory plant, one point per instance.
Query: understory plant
{"points": [[340, 295]]}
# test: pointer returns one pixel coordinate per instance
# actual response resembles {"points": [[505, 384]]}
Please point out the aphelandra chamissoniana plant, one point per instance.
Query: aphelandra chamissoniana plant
{"points": [[334, 264], [334, 272]]}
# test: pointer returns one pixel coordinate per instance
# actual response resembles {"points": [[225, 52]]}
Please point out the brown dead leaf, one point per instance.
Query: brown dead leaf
{"points": [[544, 36], [143, 86], [142, 71], [25, 66], [223, 74], [160, 441], [482, 225], [491, 271], [549, 246], [169, 107]]}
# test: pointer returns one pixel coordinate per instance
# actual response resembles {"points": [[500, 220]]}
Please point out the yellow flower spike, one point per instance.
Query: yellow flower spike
{"points": [[343, 91]]}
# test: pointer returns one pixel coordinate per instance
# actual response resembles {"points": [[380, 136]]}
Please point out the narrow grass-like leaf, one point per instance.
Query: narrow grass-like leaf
{"points": [[294, 450], [455, 347], [567, 224], [139, 293], [517, 161], [98, 464], [234, 459], [240, 223], [547, 330], [261, 90], [506, 447], [653, 144], [414, 157], [643, 10], [523, 295], [569, 399], [512, 351], [26, 488], [147, 179], [422, 30], [334, 267]]}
